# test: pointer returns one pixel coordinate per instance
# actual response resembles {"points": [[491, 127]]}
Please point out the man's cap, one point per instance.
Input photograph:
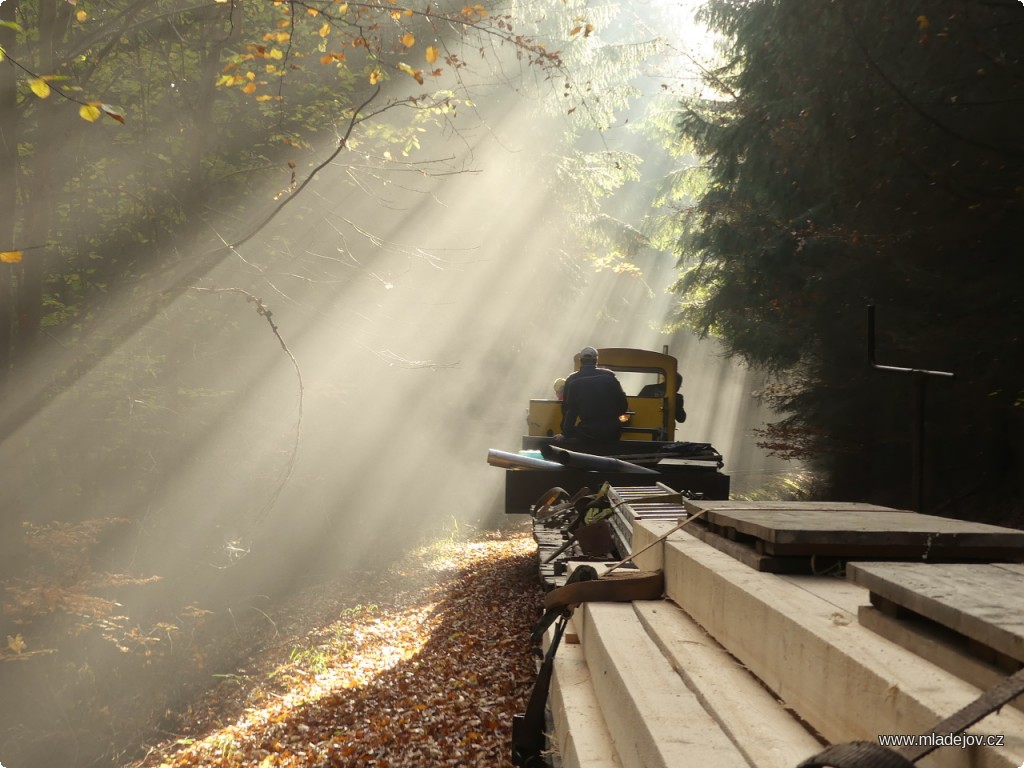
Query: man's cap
{"points": [[588, 352]]}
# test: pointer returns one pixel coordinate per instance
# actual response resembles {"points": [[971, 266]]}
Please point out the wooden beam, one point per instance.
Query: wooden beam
{"points": [[720, 505], [982, 602], [655, 721], [580, 733], [840, 677], [768, 735], [930, 643], [868, 533]]}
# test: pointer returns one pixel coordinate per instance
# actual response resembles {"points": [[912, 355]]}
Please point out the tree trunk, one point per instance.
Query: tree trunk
{"points": [[208, 91], [8, 188], [29, 289]]}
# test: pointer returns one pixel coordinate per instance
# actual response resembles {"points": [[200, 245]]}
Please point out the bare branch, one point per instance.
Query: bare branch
{"points": [[263, 311]]}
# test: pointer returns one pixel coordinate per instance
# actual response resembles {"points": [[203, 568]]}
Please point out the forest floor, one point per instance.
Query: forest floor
{"points": [[424, 665], [418, 660]]}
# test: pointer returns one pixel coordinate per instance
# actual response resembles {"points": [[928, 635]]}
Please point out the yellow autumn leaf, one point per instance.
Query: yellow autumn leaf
{"points": [[312, 11], [89, 112], [249, 88], [81, 16], [10, 257], [342, 8], [475, 10], [414, 73], [39, 87], [431, 54], [264, 97], [276, 53], [16, 643], [408, 40], [375, 76], [325, 30]]}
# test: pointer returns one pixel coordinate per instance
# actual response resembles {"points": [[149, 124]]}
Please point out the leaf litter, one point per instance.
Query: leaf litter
{"points": [[426, 669]]}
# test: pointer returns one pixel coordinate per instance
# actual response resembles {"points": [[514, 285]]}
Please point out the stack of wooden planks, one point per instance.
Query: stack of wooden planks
{"points": [[744, 666], [808, 537], [967, 618]]}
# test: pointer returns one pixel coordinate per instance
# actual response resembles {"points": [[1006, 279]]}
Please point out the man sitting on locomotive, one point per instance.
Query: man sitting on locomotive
{"points": [[658, 390], [595, 398]]}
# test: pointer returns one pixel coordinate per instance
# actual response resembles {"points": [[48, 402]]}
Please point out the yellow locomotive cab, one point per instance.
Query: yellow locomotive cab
{"points": [[648, 418]]}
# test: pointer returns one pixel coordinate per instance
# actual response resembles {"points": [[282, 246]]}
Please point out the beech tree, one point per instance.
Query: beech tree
{"points": [[123, 122]]}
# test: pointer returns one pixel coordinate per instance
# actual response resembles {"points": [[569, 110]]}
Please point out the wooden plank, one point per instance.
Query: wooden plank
{"points": [[749, 556], [580, 732], [644, 534], [844, 595], [636, 492], [759, 725], [1012, 567], [633, 512], [638, 508], [843, 679], [940, 648], [698, 505], [808, 531], [655, 721], [982, 602]]}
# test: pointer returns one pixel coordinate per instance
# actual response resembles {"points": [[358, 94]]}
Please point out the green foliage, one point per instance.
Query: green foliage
{"points": [[865, 153], [219, 100]]}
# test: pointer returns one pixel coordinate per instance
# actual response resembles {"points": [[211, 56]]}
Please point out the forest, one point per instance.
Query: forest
{"points": [[870, 157], [273, 273]]}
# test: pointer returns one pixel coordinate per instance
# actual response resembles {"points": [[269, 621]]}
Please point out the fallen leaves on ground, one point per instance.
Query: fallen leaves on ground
{"points": [[429, 674]]}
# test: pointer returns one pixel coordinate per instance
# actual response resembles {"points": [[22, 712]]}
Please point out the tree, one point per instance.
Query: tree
{"points": [[232, 92], [8, 192], [866, 154]]}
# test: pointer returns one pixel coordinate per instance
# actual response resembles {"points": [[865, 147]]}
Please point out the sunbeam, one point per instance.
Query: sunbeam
{"points": [[317, 400]]}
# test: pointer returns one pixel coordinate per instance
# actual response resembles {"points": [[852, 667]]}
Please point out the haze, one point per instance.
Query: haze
{"points": [[417, 313]]}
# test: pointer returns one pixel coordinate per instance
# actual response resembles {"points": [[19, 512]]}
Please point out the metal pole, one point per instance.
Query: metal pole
{"points": [[917, 473], [917, 438]]}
